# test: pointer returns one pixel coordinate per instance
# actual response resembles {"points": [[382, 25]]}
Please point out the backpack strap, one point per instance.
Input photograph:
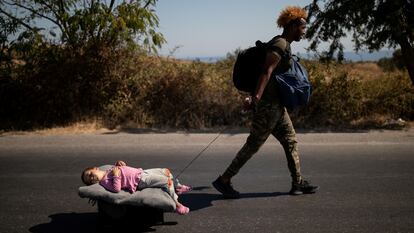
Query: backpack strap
{"points": [[285, 54], [278, 50], [295, 57]]}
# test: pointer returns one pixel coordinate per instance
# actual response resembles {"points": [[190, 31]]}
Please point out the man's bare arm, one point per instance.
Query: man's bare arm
{"points": [[271, 62]]}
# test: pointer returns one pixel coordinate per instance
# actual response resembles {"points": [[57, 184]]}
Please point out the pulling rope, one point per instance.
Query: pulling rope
{"points": [[200, 153]]}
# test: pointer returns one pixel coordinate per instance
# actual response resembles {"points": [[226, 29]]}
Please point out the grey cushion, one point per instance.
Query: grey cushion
{"points": [[153, 197]]}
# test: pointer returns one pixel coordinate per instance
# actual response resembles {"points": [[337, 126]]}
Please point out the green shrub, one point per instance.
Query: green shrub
{"points": [[344, 100]]}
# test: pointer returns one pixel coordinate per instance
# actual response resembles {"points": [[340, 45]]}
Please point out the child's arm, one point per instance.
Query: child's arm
{"points": [[113, 184], [120, 163], [116, 179]]}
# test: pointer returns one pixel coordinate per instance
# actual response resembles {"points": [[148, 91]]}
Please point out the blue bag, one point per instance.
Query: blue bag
{"points": [[294, 87]]}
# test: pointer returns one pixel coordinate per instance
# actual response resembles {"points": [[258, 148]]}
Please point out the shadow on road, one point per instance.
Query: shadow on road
{"points": [[68, 222], [169, 131], [197, 201], [235, 130], [84, 223]]}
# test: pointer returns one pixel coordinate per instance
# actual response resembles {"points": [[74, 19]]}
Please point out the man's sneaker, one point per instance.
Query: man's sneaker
{"points": [[304, 187], [226, 189]]}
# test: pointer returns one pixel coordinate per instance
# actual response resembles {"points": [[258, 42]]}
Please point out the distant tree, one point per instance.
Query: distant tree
{"points": [[373, 24], [78, 22], [6, 27]]}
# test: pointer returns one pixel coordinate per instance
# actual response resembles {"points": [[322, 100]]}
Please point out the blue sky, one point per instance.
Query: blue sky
{"points": [[205, 28], [213, 28]]}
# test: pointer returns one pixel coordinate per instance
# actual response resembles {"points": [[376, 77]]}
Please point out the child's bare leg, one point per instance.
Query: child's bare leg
{"points": [[167, 184], [181, 209], [179, 188]]}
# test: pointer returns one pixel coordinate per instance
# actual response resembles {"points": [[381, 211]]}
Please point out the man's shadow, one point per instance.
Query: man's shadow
{"points": [[197, 201]]}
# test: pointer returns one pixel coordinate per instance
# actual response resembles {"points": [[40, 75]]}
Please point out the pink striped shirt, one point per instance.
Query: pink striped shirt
{"points": [[128, 179]]}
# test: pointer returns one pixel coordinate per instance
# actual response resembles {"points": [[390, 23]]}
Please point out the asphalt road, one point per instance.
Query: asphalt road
{"points": [[366, 181]]}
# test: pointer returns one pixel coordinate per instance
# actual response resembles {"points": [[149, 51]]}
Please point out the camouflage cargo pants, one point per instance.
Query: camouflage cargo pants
{"points": [[269, 118]]}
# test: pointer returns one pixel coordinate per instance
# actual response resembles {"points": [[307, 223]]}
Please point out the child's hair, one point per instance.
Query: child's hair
{"points": [[291, 14], [83, 175]]}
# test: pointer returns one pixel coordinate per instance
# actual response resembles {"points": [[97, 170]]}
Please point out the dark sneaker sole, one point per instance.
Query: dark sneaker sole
{"points": [[297, 192], [225, 195]]}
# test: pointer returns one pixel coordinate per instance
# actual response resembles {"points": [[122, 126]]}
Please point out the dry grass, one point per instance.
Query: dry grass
{"points": [[127, 89], [364, 70], [82, 127]]}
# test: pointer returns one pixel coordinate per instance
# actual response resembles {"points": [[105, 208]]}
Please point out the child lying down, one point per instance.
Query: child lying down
{"points": [[122, 177]]}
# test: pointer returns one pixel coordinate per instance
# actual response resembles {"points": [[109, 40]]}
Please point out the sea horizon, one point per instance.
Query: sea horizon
{"points": [[349, 56]]}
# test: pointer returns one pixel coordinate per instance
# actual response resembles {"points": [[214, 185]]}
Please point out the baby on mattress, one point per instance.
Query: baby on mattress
{"points": [[122, 177]]}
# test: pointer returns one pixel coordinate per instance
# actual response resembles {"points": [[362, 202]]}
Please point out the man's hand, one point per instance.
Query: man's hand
{"points": [[249, 104], [120, 163], [116, 172]]}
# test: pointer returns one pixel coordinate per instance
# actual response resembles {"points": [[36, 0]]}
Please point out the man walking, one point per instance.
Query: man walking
{"points": [[270, 117]]}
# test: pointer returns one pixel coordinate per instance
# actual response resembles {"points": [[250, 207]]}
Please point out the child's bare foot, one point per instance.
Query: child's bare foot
{"points": [[183, 189], [182, 210]]}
